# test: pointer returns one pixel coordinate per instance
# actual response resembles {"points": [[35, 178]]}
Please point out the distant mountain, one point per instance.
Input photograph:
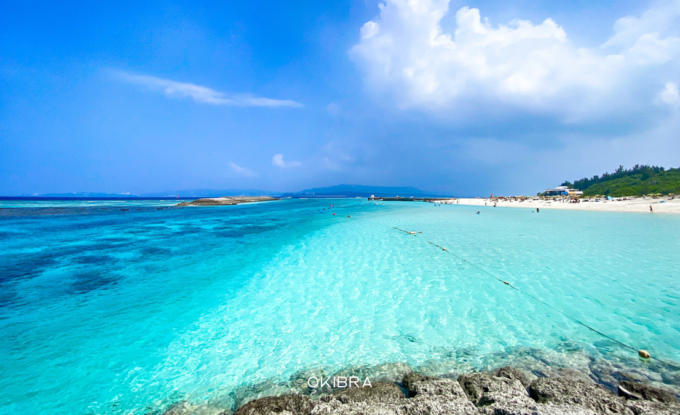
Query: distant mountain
{"points": [[353, 190], [637, 181], [210, 193]]}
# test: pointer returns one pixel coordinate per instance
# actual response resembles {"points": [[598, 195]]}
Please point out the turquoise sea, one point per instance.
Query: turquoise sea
{"points": [[128, 307]]}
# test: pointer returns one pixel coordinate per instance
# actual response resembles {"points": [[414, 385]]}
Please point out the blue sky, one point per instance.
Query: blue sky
{"points": [[467, 98]]}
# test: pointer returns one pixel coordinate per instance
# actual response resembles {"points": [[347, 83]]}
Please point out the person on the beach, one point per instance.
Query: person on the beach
{"points": [[650, 209]]}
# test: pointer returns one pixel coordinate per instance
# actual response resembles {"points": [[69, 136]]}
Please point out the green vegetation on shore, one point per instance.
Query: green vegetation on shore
{"points": [[637, 181]]}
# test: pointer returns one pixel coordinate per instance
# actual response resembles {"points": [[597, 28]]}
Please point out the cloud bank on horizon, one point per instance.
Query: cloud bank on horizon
{"points": [[535, 68]]}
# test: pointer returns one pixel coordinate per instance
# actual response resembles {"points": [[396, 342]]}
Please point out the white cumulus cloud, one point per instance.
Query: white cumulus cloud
{"points": [[203, 94], [242, 170], [405, 54], [278, 161], [670, 94]]}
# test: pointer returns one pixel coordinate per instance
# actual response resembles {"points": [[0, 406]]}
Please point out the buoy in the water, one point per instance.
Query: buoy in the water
{"points": [[644, 354], [334, 214]]}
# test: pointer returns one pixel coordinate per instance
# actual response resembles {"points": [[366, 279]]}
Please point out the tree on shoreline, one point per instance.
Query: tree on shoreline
{"points": [[637, 181]]}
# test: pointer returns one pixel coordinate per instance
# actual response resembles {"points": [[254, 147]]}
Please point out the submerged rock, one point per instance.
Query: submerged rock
{"points": [[384, 392], [588, 395], [512, 373], [185, 408], [267, 388], [653, 408], [484, 389], [411, 378], [638, 391], [387, 372]]}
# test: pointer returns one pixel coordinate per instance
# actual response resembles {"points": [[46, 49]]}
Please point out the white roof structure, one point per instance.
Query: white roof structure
{"points": [[558, 189]]}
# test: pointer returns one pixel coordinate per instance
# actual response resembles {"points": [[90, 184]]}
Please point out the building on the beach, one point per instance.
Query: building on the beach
{"points": [[563, 191]]}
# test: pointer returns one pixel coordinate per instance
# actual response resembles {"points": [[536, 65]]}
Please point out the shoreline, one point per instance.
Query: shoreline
{"points": [[522, 382], [507, 391], [631, 205]]}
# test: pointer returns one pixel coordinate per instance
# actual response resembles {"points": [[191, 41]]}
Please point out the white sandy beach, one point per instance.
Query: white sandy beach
{"points": [[637, 204]]}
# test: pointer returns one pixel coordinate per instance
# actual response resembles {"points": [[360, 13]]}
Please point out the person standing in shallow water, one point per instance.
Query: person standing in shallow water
{"points": [[538, 210]]}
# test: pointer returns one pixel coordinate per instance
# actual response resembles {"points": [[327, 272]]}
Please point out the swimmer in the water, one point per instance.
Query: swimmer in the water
{"points": [[478, 212]]}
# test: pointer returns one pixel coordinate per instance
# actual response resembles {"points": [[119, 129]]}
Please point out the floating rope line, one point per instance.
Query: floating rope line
{"points": [[408, 232], [642, 353]]}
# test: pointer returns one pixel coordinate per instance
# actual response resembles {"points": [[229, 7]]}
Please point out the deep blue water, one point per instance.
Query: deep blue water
{"points": [[128, 307]]}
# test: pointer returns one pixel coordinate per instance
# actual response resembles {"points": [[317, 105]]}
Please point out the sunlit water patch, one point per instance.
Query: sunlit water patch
{"points": [[113, 311]]}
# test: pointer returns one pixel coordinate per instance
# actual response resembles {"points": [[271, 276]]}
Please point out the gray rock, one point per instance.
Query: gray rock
{"points": [[336, 407], [295, 404], [577, 392], [638, 391], [439, 396], [434, 397], [411, 378], [484, 389], [512, 373], [572, 374], [653, 408], [540, 409], [379, 392], [440, 388], [381, 399]]}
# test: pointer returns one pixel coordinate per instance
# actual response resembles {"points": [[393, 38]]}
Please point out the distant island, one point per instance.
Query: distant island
{"points": [[637, 181], [227, 200]]}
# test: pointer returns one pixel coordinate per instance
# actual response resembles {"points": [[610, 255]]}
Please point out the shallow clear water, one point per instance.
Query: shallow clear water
{"points": [[125, 312]]}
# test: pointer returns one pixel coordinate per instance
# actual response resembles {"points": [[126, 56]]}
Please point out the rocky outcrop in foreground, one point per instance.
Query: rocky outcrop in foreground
{"points": [[227, 200], [507, 391]]}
